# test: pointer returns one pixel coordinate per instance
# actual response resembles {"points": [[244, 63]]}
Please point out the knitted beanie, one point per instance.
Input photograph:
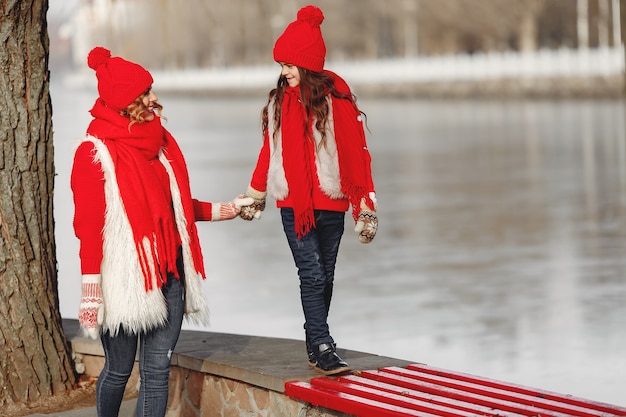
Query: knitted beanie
{"points": [[301, 44], [120, 82]]}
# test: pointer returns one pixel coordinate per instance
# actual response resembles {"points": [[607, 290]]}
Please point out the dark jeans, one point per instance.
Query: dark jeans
{"points": [[155, 352], [315, 255]]}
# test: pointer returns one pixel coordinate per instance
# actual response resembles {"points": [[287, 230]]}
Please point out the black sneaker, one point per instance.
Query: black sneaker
{"points": [[328, 362], [312, 360]]}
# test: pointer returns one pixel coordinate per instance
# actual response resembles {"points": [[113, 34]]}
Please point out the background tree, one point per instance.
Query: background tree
{"points": [[242, 32], [35, 361]]}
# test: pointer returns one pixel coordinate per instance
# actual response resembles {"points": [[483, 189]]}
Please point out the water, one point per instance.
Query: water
{"points": [[501, 242]]}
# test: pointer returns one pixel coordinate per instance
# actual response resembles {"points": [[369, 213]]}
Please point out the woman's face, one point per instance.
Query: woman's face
{"points": [[148, 99], [291, 73]]}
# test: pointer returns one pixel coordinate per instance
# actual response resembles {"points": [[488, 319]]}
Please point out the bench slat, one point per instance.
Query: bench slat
{"points": [[460, 394], [405, 401], [501, 393], [420, 390], [446, 397], [548, 395], [347, 403]]}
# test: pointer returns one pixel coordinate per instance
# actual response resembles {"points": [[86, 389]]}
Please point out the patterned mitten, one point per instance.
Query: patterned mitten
{"points": [[254, 210], [91, 310], [367, 223], [228, 211]]}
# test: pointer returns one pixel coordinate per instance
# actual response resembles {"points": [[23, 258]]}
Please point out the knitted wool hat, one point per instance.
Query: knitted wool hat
{"points": [[301, 44], [120, 82]]}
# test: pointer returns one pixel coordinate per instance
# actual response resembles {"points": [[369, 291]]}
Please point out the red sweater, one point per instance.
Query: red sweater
{"points": [[320, 200], [87, 181]]}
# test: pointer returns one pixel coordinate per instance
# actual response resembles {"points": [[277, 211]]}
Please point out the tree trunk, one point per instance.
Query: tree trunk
{"points": [[622, 19], [582, 23], [35, 362]]}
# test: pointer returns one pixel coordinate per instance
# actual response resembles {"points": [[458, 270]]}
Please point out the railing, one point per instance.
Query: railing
{"points": [[490, 66], [542, 64]]}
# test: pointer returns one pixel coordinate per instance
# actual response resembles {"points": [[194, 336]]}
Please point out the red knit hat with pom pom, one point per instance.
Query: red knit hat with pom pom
{"points": [[302, 44], [120, 82]]}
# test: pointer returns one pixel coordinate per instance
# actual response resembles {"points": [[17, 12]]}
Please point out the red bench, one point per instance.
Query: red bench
{"points": [[420, 390]]}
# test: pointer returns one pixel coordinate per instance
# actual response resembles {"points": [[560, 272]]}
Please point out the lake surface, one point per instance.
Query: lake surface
{"points": [[500, 250]]}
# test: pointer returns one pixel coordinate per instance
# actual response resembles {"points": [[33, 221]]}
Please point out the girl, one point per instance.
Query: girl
{"points": [[315, 163], [140, 254]]}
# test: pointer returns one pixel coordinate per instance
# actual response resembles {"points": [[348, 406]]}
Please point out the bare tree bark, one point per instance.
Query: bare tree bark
{"points": [[35, 361]]}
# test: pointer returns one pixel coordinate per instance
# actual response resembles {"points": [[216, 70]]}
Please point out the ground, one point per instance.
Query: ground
{"points": [[83, 396]]}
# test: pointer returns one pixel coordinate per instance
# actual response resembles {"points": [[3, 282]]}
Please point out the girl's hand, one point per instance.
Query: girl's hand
{"points": [[228, 211], [367, 224]]}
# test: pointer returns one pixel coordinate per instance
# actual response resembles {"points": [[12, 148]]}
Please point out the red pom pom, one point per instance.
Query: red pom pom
{"points": [[97, 57], [311, 14]]}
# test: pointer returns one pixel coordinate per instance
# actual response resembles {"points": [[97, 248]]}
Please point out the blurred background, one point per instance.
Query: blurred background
{"points": [[499, 155], [538, 46]]}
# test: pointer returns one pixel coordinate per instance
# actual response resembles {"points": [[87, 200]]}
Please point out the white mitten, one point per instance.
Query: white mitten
{"points": [[253, 211], [228, 211], [91, 309], [367, 223]]}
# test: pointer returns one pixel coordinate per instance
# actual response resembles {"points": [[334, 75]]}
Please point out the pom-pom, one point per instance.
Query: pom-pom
{"points": [[97, 57], [311, 14]]}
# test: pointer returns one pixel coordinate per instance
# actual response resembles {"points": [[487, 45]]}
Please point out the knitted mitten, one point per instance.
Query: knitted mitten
{"points": [[254, 210], [367, 223], [91, 310], [228, 211]]}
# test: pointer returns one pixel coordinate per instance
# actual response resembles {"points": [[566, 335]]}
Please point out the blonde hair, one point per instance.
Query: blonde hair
{"points": [[137, 110]]}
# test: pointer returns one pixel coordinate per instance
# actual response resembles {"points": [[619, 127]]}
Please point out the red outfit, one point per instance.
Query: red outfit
{"points": [[88, 187], [321, 201], [145, 189], [301, 158]]}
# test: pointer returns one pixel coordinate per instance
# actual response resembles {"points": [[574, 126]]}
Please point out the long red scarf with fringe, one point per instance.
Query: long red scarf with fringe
{"points": [[352, 152], [133, 149]]}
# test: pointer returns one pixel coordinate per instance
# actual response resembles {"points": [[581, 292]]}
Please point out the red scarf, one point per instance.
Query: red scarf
{"points": [[354, 158], [149, 211], [297, 170]]}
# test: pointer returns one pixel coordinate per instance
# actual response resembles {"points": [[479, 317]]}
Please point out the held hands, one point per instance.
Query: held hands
{"points": [[253, 211], [228, 211], [91, 309], [367, 223]]}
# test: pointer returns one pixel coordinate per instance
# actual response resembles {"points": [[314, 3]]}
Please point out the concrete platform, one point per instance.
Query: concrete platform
{"points": [[264, 362]]}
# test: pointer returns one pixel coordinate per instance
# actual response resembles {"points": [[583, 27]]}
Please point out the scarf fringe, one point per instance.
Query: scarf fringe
{"points": [[127, 305], [131, 301], [304, 222], [342, 166], [196, 308]]}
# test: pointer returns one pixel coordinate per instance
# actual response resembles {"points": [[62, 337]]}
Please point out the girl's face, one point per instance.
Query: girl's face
{"points": [[148, 99], [291, 73]]}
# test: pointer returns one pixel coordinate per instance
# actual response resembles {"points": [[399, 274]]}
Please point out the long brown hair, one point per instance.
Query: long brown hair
{"points": [[314, 87]]}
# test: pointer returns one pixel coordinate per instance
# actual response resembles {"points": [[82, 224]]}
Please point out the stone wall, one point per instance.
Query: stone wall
{"points": [[226, 375], [194, 394]]}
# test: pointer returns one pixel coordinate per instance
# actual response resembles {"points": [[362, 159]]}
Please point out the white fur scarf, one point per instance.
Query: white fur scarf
{"points": [[326, 160], [127, 304]]}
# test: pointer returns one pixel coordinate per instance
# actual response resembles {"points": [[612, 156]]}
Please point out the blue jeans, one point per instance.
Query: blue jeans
{"points": [[155, 351], [315, 255]]}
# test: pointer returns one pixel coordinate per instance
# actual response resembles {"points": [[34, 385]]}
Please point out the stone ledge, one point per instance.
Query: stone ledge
{"points": [[264, 362]]}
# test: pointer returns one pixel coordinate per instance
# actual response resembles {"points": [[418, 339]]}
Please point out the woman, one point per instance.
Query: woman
{"points": [[140, 255], [314, 161]]}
